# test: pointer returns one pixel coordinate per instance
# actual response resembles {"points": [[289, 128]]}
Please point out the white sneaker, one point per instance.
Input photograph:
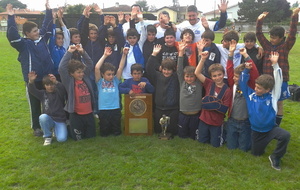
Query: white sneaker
{"points": [[47, 141]]}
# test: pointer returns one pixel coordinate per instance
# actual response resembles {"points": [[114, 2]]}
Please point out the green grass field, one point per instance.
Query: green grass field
{"points": [[131, 162]]}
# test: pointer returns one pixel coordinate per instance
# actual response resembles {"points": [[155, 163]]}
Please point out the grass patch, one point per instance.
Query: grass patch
{"points": [[131, 162]]}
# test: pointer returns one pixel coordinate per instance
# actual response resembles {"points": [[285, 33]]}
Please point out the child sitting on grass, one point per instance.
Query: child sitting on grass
{"points": [[53, 101], [215, 103], [108, 94], [262, 109], [137, 84]]}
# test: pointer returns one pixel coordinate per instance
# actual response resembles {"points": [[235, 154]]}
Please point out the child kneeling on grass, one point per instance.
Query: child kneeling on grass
{"points": [[108, 94], [215, 103], [53, 100], [262, 109]]}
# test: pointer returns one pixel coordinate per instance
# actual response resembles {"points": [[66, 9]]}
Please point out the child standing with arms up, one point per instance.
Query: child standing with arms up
{"points": [[215, 103], [108, 94]]}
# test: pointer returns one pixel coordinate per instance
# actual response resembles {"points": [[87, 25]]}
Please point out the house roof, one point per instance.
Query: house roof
{"points": [[123, 8], [23, 11]]}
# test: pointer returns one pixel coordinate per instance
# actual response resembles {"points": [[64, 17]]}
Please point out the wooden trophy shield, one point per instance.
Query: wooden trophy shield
{"points": [[138, 114]]}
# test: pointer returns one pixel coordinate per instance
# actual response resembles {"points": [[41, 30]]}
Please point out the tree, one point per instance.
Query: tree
{"points": [[295, 5], [15, 4], [250, 9], [143, 4], [75, 9]]}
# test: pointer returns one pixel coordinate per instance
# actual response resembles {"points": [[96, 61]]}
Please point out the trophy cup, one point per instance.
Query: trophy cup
{"points": [[164, 122]]}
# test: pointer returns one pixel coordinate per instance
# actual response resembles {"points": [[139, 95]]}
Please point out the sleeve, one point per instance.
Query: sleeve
{"points": [[13, 35], [253, 73], [291, 39], [180, 69], [230, 71], [63, 68], [84, 33], [67, 39], [221, 22], [149, 87], [143, 36], [52, 40], [34, 91], [276, 91], [47, 25], [60, 87], [80, 23], [88, 62], [259, 34], [120, 37], [244, 78], [124, 87], [150, 68]]}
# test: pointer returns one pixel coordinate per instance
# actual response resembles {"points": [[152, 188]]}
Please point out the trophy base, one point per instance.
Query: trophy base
{"points": [[168, 136]]}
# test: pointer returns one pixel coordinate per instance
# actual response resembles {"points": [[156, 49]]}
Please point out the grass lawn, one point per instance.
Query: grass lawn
{"points": [[131, 162]]}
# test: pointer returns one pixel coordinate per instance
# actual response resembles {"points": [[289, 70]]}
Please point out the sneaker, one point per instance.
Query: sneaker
{"points": [[38, 133], [47, 141], [275, 162]]}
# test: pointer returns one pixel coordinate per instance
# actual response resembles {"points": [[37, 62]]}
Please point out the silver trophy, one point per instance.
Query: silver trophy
{"points": [[164, 122]]}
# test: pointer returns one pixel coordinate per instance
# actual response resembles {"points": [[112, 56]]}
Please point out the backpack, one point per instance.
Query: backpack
{"points": [[295, 92]]}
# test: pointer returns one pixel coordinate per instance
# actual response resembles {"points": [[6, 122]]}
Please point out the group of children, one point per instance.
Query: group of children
{"points": [[194, 83]]}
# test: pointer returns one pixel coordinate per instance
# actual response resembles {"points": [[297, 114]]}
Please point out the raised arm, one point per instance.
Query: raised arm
{"points": [[66, 32], [107, 52], [181, 49], [223, 15], [277, 74], [259, 34], [291, 39], [253, 69], [198, 71], [229, 65], [122, 63]]}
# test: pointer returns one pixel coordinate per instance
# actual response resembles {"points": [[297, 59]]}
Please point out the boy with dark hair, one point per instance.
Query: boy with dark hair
{"points": [[238, 124], [33, 55], [281, 45], [167, 97], [262, 108], [108, 94], [137, 84], [53, 101], [190, 96], [215, 103], [206, 44], [187, 36], [149, 43], [59, 41], [80, 105], [195, 24], [252, 51]]}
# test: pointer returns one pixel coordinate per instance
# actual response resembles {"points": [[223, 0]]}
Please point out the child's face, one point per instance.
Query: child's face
{"points": [[151, 36], [49, 87], [136, 75], [75, 39], [275, 40], [108, 75], [187, 37], [33, 34], [207, 41], [78, 74], [132, 40], [225, 44], [236, 78], [93, 35], [189, 78], [259, 90], [111, 39], [167, 72], [59, 40], [217, 77], [170, 40], [249, 44]]}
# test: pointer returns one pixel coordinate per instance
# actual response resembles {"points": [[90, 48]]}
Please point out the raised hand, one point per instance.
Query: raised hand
{"points": [[9, 9], [47, 5], [31, 76], [87, 11], [79, 48], [52, 78], [107, 51], [97, 9], [223, 6], [72, 48], [274, 57], [156, 49], [248, 65], [200, 45], [262, 15], [204, 55], [204, 22], [125, 50], [232, 45], [181, 48]]}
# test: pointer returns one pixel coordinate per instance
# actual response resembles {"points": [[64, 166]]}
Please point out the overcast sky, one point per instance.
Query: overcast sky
{"points": [[202, 5]]}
